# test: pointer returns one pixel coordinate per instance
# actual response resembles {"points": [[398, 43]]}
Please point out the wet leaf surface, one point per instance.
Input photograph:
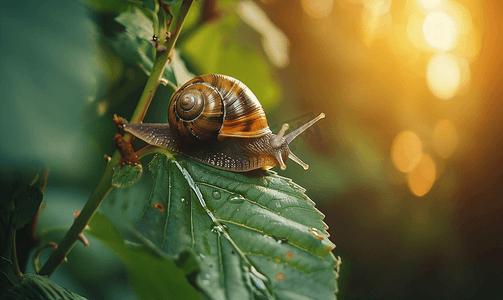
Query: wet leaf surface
{"points": [[260, 236]]}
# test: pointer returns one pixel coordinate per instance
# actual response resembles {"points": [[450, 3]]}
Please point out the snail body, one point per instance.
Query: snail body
{"points": [[217, 120]]}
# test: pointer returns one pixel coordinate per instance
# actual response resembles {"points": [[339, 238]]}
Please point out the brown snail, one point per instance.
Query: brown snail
{"points": [[217, 120]]}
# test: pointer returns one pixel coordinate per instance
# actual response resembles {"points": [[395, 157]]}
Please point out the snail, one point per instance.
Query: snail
{"points": [[217, 120]]}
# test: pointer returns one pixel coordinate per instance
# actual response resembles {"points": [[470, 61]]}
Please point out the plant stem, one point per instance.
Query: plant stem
{"points": [[17, 270], [158, 69], [91, 206], [105, 184]]}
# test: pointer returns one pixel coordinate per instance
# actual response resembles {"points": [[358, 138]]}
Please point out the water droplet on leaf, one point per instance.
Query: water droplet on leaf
{"points": [[217, 227], [216, 195], [315, 233], [236, 199]]}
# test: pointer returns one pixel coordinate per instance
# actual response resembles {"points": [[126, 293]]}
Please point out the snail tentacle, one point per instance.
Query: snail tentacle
{"points": [[292, 135], [279, 143]]}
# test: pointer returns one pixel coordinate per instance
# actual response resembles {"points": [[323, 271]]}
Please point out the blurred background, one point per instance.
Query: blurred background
{"points": [[406, 166]]}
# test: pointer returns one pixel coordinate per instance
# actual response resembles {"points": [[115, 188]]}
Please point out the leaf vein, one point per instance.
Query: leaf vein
{"points": [[262, 232]]}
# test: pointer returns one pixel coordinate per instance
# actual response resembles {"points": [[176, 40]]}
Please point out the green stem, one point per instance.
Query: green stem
{"points": [[105, 184], [17, 270], [159, 66], [91, 206]]}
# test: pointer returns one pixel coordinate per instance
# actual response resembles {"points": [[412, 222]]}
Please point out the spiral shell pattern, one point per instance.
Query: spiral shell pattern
{"points": [[220, 106]]}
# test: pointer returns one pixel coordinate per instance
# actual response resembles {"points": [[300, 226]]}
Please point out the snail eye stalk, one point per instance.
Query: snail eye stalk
{"points": [[280, 140]]}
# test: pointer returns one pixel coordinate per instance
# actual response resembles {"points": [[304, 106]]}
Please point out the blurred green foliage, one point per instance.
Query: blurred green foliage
{"points": [[153, 276]]}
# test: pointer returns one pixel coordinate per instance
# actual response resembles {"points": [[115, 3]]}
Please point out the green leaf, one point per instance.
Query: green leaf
{"points": [[27, 200], [154, 277], [15, 213], [220, 48], [36, 287], [126, 175], [133, 45], [259, 235], [137, 23]]}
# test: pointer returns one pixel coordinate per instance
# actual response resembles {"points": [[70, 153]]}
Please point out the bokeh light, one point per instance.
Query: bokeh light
{"points": [[406, 151], [443, 75], [469, 45], [430, 5], [415, 31], [465, 75], [376, 18], [461, 15], [317, 8], [445, 138], [440, 31], [422, 177], [378, 7]]}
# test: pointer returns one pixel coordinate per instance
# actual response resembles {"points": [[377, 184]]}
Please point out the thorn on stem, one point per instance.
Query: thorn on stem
{"points": [[38, 252], [155, 42], [163, 81], [81, 236]]}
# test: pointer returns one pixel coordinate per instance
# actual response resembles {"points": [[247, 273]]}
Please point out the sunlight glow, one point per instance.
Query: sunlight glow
{"points": [[430, 5], [440, 31], [462, 16], [422, 177], [415, 32], [317, 8], [378, 7], [376, 18], [445, 138], [443, 75], [406, 151], [465, 75]]}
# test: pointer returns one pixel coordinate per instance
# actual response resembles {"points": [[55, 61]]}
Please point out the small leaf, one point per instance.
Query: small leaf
{"points": [[15, 213], [36, 287], [133, 44], [126, 175], [137, 23], [154, 277], [260, 235]]}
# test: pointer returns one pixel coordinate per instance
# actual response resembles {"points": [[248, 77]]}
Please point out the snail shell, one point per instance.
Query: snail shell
{"points": [[217, 120], [216, 105]]}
